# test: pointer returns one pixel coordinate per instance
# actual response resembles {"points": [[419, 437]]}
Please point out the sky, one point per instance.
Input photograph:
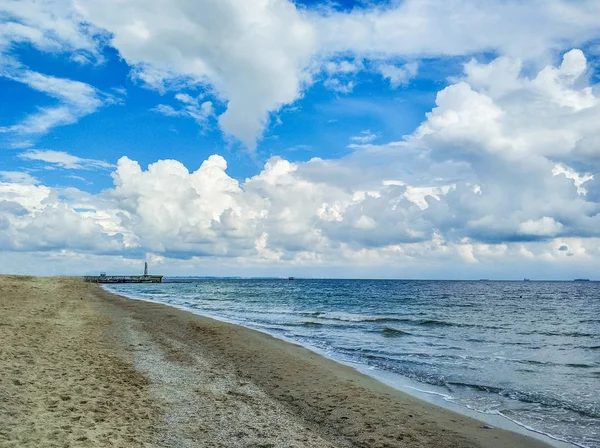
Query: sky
{"points": [[426, 139]]}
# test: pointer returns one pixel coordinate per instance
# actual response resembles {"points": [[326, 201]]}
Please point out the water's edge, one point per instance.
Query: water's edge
{"points": [[394, 380]]}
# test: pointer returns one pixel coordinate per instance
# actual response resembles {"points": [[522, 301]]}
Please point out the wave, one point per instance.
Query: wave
{"points": [[348, 317], [582, 409], [406, 320], [438, 323], [476, 340], [577, 334], [305, 324], [582, 366], [534, 362], [574, 334], [392, 332], [479, 387], [519, 344], [419, 371], [547, 434]]}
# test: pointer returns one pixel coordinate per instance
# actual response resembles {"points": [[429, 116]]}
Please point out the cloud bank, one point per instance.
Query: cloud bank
{"points": [[504, 167]]}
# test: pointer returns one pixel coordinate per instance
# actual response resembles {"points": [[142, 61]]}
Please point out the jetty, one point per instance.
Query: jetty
{"points": [[103, 278]]}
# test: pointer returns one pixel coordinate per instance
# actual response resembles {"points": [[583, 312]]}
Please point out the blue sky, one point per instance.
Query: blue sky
{"points": [[392, 139], [319, 124]]}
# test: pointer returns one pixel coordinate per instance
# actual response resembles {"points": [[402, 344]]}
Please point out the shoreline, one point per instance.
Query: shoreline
{"points": [[389, 379], [86, 367]]}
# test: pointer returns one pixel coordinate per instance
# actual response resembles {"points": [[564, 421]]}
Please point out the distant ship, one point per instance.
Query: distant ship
{"points": [[581, 280], [526, 280], [290, 278]]}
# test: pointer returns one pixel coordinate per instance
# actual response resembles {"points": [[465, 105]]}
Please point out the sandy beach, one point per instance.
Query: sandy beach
{"points": [[82, 367]]}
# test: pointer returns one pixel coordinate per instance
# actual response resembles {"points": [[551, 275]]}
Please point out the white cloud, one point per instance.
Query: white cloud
{"points": [[194, 108], [257, 57], [365, 222], [341, 74], [167, 110], [260, 56], [365, 137], [18, 177], [254, 54], [398, 76], [48, 25], [512, 130], [64, 160], [577, 178], [459, 27], [342, 67], [21, 144], [339, 86], [545, 226], [76, 100], [419, 195], [52, 26], [477, 182], [516, 117]]}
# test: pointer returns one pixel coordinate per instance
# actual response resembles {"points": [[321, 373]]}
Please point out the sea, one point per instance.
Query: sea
{"points": [[527, 352]]}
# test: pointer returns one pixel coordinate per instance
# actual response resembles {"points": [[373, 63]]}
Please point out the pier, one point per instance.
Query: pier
{"points": [[103, 278]]}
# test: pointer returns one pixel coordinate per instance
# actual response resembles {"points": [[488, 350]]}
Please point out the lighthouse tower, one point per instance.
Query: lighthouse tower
{"points": [[145, 269]]}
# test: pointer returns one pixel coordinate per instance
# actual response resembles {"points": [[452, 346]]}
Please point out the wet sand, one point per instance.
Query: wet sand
{"points": [[82, 367]]}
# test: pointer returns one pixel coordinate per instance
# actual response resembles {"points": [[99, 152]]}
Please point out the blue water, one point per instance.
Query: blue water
{"points": [[528, 351]]}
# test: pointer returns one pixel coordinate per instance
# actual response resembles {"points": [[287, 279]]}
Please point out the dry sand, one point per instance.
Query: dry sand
{"points": [[83, 367]]}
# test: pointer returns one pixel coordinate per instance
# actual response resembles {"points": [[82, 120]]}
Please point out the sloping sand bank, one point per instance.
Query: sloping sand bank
{"points": [[83, 367]]}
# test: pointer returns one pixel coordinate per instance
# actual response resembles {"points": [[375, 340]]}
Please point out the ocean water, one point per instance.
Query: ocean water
{"points": [[526, 351]]}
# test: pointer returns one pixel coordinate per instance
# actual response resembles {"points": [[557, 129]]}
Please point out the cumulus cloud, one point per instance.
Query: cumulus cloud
{"points": [[48, 25], [342, 67], [260, 56], [34, 217], [192, 107], [257, 57], [398, 75], [512, 130], [18, 177], [254, 54], [458, 27], [577, 178], [340, 75], [544, 227], [477, 182], [339, 86]]}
